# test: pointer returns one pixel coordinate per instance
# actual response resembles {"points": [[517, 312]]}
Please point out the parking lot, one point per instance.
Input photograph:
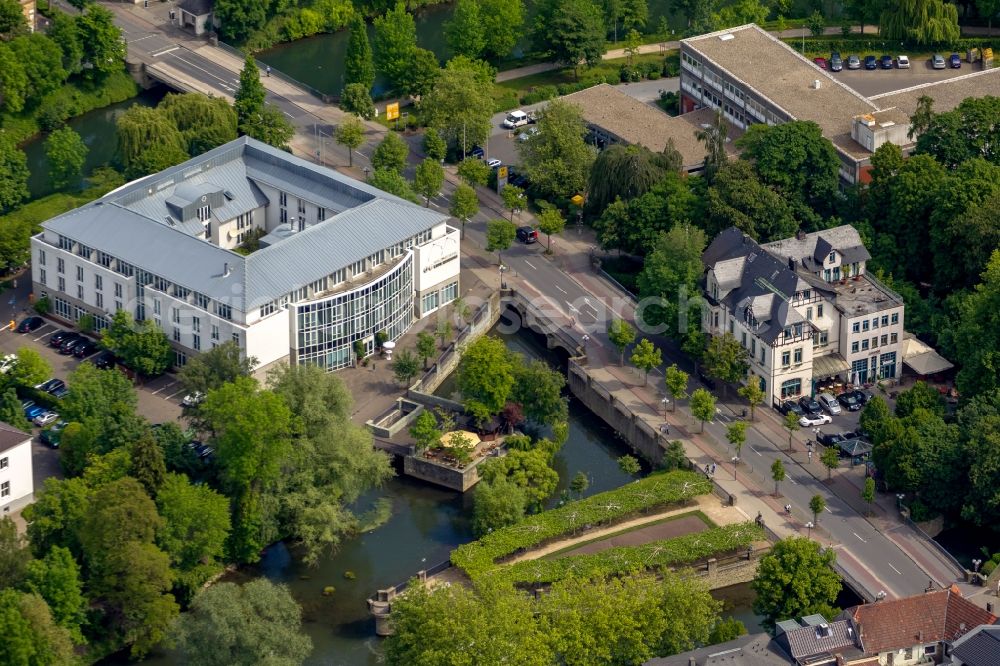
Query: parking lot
{"points": [[871, 82]]}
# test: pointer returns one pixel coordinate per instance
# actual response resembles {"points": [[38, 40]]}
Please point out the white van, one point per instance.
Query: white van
{"points": [[515, 119]]}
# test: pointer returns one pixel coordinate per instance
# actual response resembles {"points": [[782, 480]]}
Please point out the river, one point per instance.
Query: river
{"points": [[97, 128]]}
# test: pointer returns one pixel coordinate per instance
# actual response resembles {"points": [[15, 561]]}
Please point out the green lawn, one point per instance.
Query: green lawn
{"points": [[705, 519]]}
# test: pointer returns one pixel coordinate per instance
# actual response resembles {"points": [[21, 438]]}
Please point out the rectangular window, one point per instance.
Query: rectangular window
{"points": [[864, 344], [4, 463], [283, 216], [65, 243], [283, 199], [744, 338], [215, 332], [156, 306], [60, 265], [930, 649], [856, 327], [181, 292], [791, 388], [895, 317], [41, 275], [98, 282], [41, 257], [175, 315], [449, 293], [268, 309], [786, 358], [788, 332], [177, 334], [196, 341], [893, 338], [79, 291], [320, 214], [798, 330], [5, 489], [824, 337], [196, 324], [753, 347], [104, 259], [819, 310], [833, 257], [854, 347], [827, 275], [236, 338], [885, 340], [302, 207], [798, 354], [118, 289], [62, 284], [807, 294], [874, 342], [809, 314], [201, 300], [224, 311], [118, 306], [100, 300], [763, 357], [430, 302], [79, 273], [874, 322], [864, 325], [205, 213]]}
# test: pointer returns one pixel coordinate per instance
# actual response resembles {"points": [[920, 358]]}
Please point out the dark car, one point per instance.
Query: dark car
{"points": [[830, 440], [809, 406], [30, 324], [871, 62], [820, 62], [709, 382], [517, 179], [85, 349], [31, 412], [50, 436], [849, 401], [790, 407], [51, 385], [104, 360], [57, 338], [836, 62], [885, 62], [69, 344], [60, 392], [861, 396], [954, 61], [527, 235], [477, 152]]}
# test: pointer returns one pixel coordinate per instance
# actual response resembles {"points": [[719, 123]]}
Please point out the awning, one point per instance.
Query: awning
{"points": [[855, 447], [829, 365], [921, 358]]}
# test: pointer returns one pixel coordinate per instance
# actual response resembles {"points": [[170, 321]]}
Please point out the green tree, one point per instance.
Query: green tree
{"points": [[428, 179], [59, 508], [752, 393], [738, 198], [474, 171], [621, 334], [148, 467], [502, 22], [921, 22], [444, 331], [142, 346], [629, 465], [423, 72], [13, 80], [30, 635], [350, 134], [736, 435], [270, 127], [101, 409], [497, 503], [874, 417], [977, 375], [725, 358], [816, 24], [66, 152], [988, 9], [702, 406], [500, 236], [486, 375], [391, 181], [622, 171], [435, 147], [460, 106], [714, 137], [868, 493], [830, 459], [215, 367], [676, 381], [550, 221], [262, 621], [979, 425], [465, 32], [56, 578], [405, 366], [569, 32], [204, 122], [13, 165], [11, 412], [356, 99], [394, 43], [426, 348], [538, 389], [513, 198], [558, 160], [64, 33], [30, 368], [919, 396], [11, 18], [777, 474], [817, 504], [391, 153], [425, 431], [239, 18], [148, 141], [579, 483], [671, 274], [794, 579], [103, 46], [528, 470], [645, 357], [14, 554], [464, 204], [359, 66], [864, 11], [725, 630], [41, 59], [249, 98], [791, 424]]}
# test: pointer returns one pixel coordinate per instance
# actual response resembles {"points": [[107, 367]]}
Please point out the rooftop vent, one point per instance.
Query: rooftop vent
{"points": [[225, 270], [169, 220], [229, 195], [726, 37]]}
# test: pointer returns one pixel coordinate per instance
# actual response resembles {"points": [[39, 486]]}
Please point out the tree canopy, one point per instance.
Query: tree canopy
{"points": [[557, 160], [794, 579]]}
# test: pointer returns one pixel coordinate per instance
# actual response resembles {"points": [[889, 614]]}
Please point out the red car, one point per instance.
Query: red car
{"points": [[820, 62]]}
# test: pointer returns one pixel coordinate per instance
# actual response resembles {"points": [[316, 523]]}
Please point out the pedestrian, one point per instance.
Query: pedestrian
{"points": [[268, 70], [707, 468], [14, 283], [586, 338], [713, 469], [788, 509]]}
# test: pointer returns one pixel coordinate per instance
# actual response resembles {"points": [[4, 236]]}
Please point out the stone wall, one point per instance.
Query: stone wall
{"points": [[443, 475]]}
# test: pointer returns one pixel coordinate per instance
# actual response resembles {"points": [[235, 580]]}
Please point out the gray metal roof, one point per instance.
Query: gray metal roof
{"points": [[748, 650], [130, 224], [811, 249], [979, 647], [820, 638]]}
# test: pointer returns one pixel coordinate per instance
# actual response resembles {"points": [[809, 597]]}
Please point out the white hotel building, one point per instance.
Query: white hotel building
{"points": [[338, 260]]}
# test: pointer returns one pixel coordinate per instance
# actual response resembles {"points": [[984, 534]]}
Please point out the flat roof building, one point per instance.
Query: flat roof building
{"points": [[753, 77], [249, 243]]}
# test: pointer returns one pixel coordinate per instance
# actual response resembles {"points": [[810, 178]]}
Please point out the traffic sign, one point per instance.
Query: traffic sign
{"points": [[392, 111]]}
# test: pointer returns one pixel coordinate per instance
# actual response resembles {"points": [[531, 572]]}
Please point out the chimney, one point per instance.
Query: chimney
{"points": [[692, 661], [225, 270], [800, 235], [791, 264]]}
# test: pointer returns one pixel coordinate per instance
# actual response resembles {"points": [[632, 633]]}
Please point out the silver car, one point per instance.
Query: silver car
{"points": [[937, 61], [829, 403]]}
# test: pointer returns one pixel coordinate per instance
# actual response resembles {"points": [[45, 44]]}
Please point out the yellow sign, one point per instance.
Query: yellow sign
{"points": [[577, 200], [502, 173], [392, 111]]}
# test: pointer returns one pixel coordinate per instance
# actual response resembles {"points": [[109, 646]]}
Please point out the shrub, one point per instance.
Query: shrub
{"points": [[988, 568]]}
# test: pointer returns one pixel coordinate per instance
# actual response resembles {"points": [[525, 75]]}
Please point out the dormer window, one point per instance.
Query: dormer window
{"points": [[833, 257], [204, 213]]}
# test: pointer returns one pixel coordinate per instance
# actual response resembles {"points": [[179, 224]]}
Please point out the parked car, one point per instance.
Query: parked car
{"points": [[57, 338], [193, 399], [853, 62], [60, 392], [527, 235], [791, 407], [810, 420], [820, 62], [515, 119], [477, 152], [104, 360], [51, 385], [809, 406], [31, 412], [836, 62], [903, 62], [709, 382], [493, 163], [29, 324], [955, 61], [829, 403], [70, 344], [871, 62], [85, 348], [51, 436], [829, 440], [26, 405], [937, 61], [849, 401], [517, 179], [885, 62], [45, 418], [862, 396]]}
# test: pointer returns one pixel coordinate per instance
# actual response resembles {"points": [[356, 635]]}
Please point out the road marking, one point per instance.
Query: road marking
{"points": [[170, 385], [856, 534], [288, 114], [561, 289], [756, 451], [533, 268], [895, 569], [159, 53], [794, 482]]}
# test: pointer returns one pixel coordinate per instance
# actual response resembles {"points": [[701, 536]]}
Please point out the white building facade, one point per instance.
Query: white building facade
{"points": [[16, 481], [805, 309], [247, 243]]}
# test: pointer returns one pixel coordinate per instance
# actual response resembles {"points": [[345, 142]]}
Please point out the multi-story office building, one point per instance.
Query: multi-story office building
{"points": [[753, 77], [251, 244], [805, 308]]}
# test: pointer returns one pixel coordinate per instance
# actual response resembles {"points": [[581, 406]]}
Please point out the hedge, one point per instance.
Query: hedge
{"points": [[653, 492], [686, 549]]}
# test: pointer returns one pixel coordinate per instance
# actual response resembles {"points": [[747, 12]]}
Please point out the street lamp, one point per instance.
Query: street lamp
{"points": [[809, 527], [665, 402], [367, 171], [975, 565], [501, 271], [899, 501]]}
